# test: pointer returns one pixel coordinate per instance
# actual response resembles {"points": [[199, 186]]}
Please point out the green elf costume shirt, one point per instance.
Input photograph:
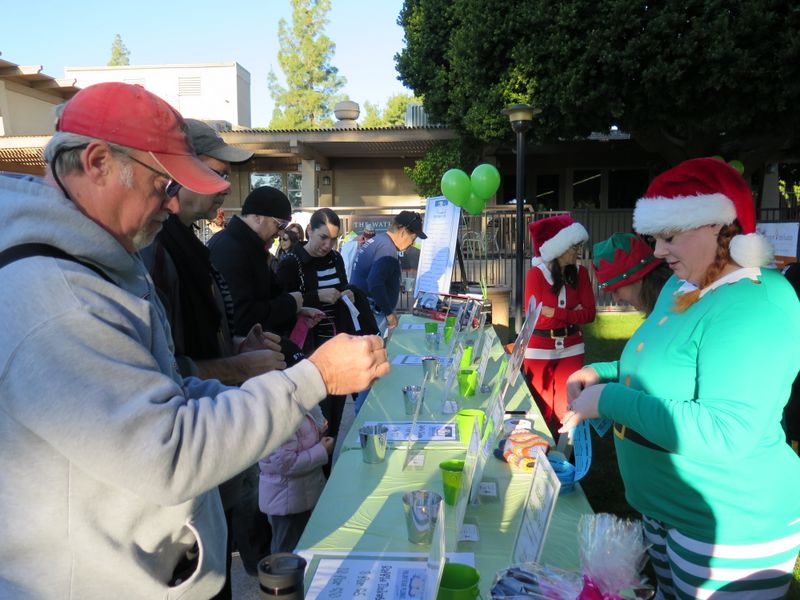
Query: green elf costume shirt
{"points": [[697, 401]]}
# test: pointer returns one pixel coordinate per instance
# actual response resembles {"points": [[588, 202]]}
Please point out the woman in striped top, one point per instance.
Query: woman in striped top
{"points": [[315, 269]]}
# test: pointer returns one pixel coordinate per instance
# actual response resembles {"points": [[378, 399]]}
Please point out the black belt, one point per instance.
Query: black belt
{"points": [[557, 333], [626, 433]]}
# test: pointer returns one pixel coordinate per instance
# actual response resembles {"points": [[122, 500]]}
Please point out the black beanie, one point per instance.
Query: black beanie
{"points": [[269, 202]]}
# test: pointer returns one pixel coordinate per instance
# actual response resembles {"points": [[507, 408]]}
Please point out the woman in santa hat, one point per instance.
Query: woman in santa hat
{"points": [[697, 395], [565, 291]]}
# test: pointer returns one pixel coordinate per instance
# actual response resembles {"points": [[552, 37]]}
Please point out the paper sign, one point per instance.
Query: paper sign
{"points": [[422, 431], [538, 512], [437, 254], [521, 344], [469, 533], [468, 475], [488, 488], [482, 368]]}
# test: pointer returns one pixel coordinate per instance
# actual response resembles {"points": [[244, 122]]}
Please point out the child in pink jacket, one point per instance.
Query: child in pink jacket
{"points": [[291, 481]]}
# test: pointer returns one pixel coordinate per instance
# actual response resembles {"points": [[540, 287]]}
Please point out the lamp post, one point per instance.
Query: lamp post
{"points": [[520, 116]]}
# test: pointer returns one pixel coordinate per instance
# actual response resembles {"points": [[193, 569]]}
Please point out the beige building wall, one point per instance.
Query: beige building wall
{"points": [[210, 92], [26, 111], [371, 183]]}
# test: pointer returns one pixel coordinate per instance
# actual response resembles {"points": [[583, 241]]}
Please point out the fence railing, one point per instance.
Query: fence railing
{"points": [[488, 241]]}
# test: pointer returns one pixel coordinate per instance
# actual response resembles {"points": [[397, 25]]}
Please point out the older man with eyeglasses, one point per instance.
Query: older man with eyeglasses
{"points": [[241, 253], [109, 458]]}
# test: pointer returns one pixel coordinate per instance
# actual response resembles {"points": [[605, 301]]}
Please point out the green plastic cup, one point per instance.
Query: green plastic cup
{"points": [[448, 333], [450, 321], [459, 582], [466, 358], [465, 419], [467, 382], [432, 327], [451, 479]]}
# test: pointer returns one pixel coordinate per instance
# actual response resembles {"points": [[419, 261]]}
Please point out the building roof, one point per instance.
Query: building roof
{"points": [[357, 142], [31, 76]]}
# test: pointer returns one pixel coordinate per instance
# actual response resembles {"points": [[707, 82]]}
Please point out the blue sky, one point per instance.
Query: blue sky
{"points": [[79, 33]]}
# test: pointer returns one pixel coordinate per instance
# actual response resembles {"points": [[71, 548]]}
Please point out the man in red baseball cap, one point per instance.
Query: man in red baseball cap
{"points": [[109, 459]]}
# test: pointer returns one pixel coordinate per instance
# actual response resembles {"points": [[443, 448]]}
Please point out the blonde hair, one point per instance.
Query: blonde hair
{"points": [[721, 260]]}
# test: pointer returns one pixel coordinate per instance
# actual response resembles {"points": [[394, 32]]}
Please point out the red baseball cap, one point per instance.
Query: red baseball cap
{"points": [[131, 116]]}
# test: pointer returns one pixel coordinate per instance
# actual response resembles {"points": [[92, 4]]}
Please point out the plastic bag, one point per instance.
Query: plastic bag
{"points": [[612, 553]]}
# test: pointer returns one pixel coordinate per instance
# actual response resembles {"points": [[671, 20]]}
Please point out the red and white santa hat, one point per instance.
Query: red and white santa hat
{"points": [[554, 235], [704, 191]]}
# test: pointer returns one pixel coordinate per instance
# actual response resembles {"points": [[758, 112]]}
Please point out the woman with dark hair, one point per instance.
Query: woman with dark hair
{"points": [[316, 270], [286, 241], [565, 290], [626, 268], [698, 393]]}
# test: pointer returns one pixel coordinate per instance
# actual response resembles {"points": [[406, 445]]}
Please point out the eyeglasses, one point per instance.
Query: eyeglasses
{"points": [[172, 187], [280, 224], [222, 174]]}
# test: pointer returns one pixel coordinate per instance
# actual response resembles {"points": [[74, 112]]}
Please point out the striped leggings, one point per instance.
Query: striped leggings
{"points": [[687, 568]]}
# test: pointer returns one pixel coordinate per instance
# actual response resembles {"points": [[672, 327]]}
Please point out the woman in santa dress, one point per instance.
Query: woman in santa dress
{"points": [[563, 287]]}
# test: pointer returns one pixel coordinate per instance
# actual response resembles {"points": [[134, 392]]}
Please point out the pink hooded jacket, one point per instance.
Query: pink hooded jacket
{"points": [[291, 479]]}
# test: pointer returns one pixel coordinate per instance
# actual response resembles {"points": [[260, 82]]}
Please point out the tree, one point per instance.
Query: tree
{"points": [[312, 82], [451, 154], [372, 115], [700, 77], [120, 55], [394, 115]]}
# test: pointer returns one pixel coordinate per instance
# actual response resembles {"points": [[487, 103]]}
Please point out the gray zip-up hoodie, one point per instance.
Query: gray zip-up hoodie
{"points": [[107, 456]]}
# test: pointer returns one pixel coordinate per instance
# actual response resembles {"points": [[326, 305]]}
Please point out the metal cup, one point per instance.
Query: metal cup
{"points": [[281, 576], [433, 341], [373, 440], [412, 394], [421, 509], [430, 367]]}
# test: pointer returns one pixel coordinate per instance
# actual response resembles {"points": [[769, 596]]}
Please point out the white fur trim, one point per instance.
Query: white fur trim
{"points": [[682, 213], [751, 250], [561, 242]]}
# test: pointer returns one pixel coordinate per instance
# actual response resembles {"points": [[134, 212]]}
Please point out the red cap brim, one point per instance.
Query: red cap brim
{"points": [[191, 173]]}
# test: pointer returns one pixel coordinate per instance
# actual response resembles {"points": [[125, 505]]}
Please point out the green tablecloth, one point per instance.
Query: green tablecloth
{"points": [[361, 509]]}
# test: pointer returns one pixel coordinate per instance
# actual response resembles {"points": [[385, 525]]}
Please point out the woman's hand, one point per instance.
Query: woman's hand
{"points": [[580, 380], [314, 314], [329, 295], [548, 311], [585, 406], [349, 294]]}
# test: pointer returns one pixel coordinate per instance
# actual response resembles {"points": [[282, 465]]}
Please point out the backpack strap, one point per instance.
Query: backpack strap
{"points": [[15, 253]]}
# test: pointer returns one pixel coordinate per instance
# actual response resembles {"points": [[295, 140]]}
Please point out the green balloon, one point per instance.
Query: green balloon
{"points": [[485, 181], [455, 186], [474, 205], [737, 164]]}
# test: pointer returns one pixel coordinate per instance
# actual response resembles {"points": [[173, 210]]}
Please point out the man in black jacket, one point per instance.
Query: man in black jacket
{"points": [[241, 253]]}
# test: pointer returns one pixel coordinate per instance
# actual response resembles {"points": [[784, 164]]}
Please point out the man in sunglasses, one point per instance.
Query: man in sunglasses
{"points": [[241, 253], [376, 270], [109, 458], [200, 312]]}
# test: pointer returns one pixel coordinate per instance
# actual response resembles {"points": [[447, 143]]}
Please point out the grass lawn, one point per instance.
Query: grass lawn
{"points": [[604, 340]]}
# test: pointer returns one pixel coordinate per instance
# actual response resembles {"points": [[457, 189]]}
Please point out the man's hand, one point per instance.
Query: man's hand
{"points": [[391, 321], [329, 295], [257, 339], [350, 295], [260, 361], [350, 363]]}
